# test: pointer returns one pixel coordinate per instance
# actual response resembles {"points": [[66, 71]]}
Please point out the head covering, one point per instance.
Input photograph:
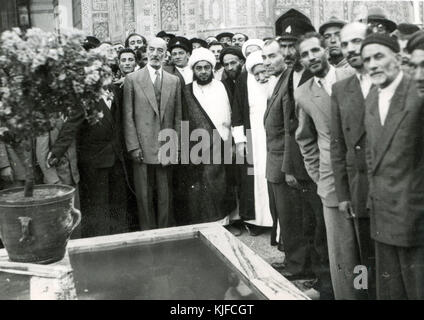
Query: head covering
{"points": [[253, 59], [236, 51], [163, 34], [333, 22], [416, 41], [223, 35], [405, 30], [180, 42], [293, 24], [90, 42], [383, 39], [202, 42], [201, 54], [251, 42], [376, 14]]}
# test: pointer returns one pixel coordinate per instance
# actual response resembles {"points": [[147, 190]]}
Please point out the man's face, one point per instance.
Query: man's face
{"points": [[382, 64], [252, 48], [404, 55], [232, 66], [377, 27], [332, 41], [313, 56], [216, 50], [288, 49], [135, 42], [118, 47], [238, 40], [273, 59], [167, 39], [416, 64], [156, 51], [225, 40], [351, 41], [127, 63], [179, 57], [260, 74], [202, 72]]}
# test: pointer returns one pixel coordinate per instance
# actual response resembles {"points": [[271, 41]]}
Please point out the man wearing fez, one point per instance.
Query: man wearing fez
{"points": [[152, 103], [403, 33], [313, 105], [330, 30], [204, 193], [348, 149], [239, 39], [225, 38], [180, 49], [394, 120]]}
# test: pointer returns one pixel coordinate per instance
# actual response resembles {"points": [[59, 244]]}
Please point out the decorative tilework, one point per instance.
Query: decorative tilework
{"points": [[99, 5]]}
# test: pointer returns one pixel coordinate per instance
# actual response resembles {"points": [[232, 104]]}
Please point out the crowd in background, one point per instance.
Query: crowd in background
{"points": [[328, 123]]}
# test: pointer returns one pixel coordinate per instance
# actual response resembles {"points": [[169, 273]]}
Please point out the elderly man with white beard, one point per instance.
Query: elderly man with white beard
{"points": [[204, 193]]}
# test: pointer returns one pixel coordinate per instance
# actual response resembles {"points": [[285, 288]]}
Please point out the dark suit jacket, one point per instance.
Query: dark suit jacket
{"points": [[293, 161], [348, 144], [395, 159], [275, 132], [174, 71], [240, 103], [144, 119]]}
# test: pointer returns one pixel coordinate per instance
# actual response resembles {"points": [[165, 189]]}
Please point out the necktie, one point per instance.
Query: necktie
{"points": [[157, 87], [322, 84]]}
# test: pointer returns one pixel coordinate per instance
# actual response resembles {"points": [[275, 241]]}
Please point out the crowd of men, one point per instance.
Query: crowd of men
{"points": [[316, 135]]}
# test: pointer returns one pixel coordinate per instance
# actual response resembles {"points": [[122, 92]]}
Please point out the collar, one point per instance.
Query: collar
{"points": [[391, 88], [152, 71], [330, 78]]}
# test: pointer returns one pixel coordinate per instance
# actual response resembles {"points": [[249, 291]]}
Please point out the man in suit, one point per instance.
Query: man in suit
{"points": [[313, 136], [180, 49], [348, 146], [152, 103], [282, 198], [395, 157]]}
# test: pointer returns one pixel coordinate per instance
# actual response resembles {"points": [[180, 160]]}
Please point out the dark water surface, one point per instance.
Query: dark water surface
{"points": [[176, 270]]}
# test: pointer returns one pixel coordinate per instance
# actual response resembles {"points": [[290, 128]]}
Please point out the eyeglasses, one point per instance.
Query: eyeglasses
{"points": [[377, 27]]}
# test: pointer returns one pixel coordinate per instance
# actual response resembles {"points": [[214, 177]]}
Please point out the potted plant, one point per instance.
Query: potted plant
{"points": [[44, 77]]}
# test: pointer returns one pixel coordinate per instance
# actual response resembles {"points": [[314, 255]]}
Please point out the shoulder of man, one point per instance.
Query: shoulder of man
{"points": [[343, 73], [343, 83], [303, 90]]}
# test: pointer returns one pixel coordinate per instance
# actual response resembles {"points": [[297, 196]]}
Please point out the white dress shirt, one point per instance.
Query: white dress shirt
{"points": [[187, 74], [328, 81], [365, 83], [297, 75], [385, 97], [152, 72]]}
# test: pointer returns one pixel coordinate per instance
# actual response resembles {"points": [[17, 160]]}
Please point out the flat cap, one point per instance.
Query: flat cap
{"points": [[332, 22], [416, 41], [382, 39]]}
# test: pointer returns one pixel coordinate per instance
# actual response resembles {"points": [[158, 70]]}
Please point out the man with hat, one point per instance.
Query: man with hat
{"points": [[403, 33], [197, 43], [394, 119], [225, 38], [216, 48], [91, 42], [232, 59], [204, 191], [239, 39], [330, 30], [180, 49], [415, 48], [165, 36], [348, 149], [378, 22]]}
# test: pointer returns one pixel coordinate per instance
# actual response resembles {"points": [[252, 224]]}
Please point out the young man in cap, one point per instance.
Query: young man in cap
{"points": [[204, 190], [152, 103], [394, 119], [313, 106], [348, 149], [403, 33], [225, 38], [180, 49], [330, 30], [415, 48], [238, 39]]}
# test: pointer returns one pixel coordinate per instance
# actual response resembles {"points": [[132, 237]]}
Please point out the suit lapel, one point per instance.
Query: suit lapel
{"points": [[275, 93], [395, 116], [149, 91], [165, 93], [320, 98], [356, 107]]}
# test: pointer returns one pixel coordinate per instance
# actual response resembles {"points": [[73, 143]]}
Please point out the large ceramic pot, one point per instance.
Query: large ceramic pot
{"points": [[37, 229]]}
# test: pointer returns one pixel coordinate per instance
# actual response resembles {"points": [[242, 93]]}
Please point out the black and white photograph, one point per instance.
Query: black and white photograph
{"points": [[211, 150]]}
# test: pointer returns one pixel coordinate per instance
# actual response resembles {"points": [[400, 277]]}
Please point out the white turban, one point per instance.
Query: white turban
{"points": [[253, 60], [252, 42], [201, 54]]}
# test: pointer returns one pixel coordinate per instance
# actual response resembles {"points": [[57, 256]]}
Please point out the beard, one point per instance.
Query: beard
{"points": [[233, 74], [204, 81]]}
